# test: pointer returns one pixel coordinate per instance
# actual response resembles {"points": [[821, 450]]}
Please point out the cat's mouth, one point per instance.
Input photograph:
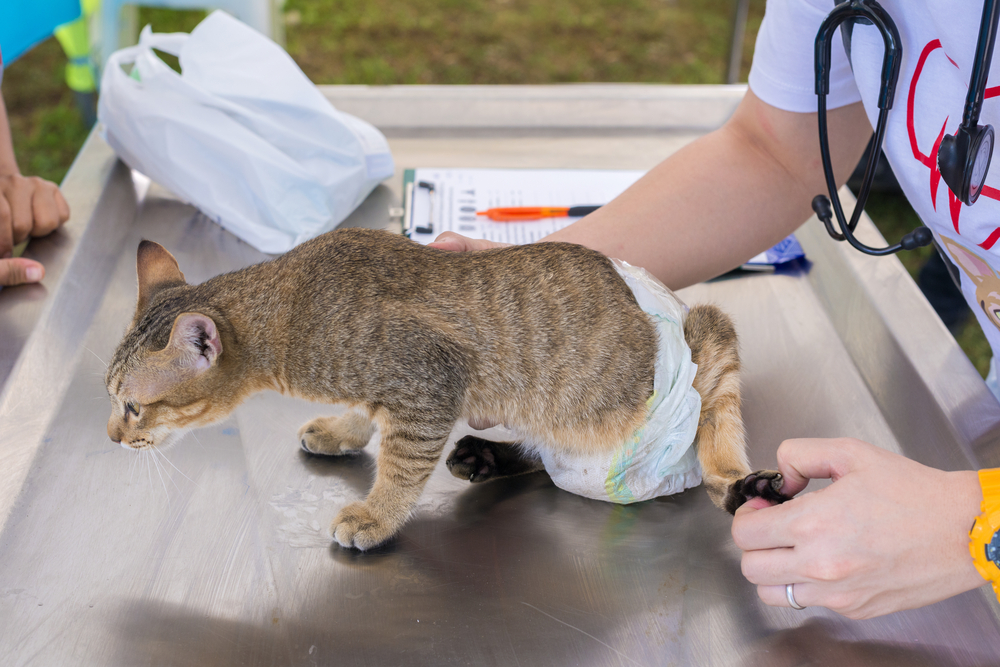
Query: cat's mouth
{"points": [[137, 445], [168, 441]]}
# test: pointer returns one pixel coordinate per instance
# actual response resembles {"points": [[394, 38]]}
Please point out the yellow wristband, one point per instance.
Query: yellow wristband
{"points": [[989, 479], [986, 525]]}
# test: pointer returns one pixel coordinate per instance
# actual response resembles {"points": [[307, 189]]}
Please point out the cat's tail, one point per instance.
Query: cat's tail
{"points": [[721, 441]]}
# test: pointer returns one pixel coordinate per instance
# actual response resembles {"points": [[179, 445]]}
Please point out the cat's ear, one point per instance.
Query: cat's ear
{"points": [[195, 342], [974, 266], [194, 347], [156, 269]]}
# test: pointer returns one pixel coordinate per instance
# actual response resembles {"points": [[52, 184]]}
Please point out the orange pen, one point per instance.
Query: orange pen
{"points": [[527, 213]]}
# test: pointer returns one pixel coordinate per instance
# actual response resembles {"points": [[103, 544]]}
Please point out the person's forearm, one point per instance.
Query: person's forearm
{"points": [[725, 197], [8, 164]]}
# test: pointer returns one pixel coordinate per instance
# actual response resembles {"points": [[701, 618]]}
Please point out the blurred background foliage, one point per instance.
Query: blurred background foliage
{"points": [[381, 42], [425, 42]]}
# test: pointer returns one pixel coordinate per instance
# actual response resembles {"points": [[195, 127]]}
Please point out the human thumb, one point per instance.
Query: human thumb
{"points": [[450, 241], [753, 505], [18, 270]]}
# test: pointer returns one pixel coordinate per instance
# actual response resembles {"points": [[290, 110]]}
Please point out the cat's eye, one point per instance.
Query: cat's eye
{"points": [[132, 408]]}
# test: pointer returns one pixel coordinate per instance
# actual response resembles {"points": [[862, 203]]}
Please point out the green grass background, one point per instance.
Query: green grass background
{"points": [[456, 42]]}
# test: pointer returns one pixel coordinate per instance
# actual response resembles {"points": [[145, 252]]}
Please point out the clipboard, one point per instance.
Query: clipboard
{"points": [[437, 200]]}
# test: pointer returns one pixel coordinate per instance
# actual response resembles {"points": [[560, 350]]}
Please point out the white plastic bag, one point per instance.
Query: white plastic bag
{"points": [[241, 133]]}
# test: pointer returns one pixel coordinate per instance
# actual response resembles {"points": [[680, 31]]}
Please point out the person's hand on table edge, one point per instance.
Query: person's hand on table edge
{"points": [[458, 243], [19, 271], [888, 534], [30, 206]]}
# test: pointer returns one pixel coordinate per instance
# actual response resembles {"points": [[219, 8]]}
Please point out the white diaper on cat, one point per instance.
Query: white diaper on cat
{"points": [[659, 459]]}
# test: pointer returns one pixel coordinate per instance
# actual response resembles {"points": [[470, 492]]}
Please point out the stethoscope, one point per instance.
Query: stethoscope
{"points": [[963, 158]]}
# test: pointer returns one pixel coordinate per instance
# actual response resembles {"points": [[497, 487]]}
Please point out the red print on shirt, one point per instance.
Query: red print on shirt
{"points": [[930, 161]]}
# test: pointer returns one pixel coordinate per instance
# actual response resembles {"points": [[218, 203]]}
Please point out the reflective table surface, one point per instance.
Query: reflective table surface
{"points": [[216, 552]]}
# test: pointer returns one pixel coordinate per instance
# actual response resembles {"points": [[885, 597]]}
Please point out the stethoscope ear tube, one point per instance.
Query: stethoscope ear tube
{"points": [[822, 205], [872, 12]]}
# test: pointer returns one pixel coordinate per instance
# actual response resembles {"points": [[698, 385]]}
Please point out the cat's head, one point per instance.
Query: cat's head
{"points": [[160, 378]]}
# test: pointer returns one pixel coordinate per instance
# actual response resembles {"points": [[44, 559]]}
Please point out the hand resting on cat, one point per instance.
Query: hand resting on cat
{"points": [[546, 338]]}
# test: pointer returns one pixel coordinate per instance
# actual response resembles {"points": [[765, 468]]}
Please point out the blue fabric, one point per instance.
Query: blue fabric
{"points": [[24, 23]]}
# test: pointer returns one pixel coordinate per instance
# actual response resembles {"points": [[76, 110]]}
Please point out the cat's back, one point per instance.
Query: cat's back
{"points": [[393, 267], [540, 307]]}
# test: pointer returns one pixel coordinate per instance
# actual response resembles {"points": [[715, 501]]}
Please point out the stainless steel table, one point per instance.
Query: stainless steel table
{"points": [[219, 556]]}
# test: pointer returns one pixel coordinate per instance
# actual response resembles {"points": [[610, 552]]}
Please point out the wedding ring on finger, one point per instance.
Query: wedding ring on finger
{"points": [[790, 594]]}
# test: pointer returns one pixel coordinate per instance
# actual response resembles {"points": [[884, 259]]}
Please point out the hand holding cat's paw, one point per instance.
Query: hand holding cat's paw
{"points": [[764, 484], [356, 527]]}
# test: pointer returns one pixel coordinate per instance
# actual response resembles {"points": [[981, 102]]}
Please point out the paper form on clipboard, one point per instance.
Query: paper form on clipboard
{"points": [[440, 199], [458, 193]]}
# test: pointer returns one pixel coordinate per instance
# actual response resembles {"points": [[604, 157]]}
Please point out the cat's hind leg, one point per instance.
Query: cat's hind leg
{"points": [[721, 439], [345, 434], [478, 460]]}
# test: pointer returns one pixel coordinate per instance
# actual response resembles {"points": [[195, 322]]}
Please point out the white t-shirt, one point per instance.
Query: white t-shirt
{"points": [[939, 45]]}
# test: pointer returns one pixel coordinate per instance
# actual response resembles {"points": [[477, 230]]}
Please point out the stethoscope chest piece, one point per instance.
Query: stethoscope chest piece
{"points": [[964, 160]]}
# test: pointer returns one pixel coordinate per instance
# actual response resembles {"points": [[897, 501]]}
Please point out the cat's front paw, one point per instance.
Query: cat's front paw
{"points": [[764, 484], [356, 527], [333, 436]]}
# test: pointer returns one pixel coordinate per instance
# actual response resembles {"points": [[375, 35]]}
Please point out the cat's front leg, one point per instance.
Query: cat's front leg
{"points": [[332, 436], [407, 456]]}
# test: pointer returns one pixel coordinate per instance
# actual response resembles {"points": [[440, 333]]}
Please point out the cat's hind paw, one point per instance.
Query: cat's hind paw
{"points": [[472, 459], [764, 484], [478, 460], [357, 528]]}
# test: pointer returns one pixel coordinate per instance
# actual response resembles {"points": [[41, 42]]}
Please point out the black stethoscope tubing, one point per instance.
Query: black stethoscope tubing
{"points": [[869, 176], [981, 65], [955, 162]]}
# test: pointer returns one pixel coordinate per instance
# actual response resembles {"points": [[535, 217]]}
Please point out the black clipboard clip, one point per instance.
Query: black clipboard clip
{"points": [[429, 229]]}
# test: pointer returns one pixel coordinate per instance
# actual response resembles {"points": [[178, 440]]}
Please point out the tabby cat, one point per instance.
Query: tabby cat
{"points": [[544, 337]]}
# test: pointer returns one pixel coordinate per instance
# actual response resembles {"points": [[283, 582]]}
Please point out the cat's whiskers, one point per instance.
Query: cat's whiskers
{"points": [[203, 445], [164, 484], [98, 357], [136, 465], [167, 472], [200, 443], [156, 450], [131, 468], [145, 462]]}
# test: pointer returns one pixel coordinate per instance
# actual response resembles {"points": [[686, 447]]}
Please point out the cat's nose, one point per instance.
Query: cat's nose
{"points": [[114, 434]]}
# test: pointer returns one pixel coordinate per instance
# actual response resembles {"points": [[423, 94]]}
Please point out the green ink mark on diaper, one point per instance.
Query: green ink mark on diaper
{"points": [[614, 485], [663, 318]]}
